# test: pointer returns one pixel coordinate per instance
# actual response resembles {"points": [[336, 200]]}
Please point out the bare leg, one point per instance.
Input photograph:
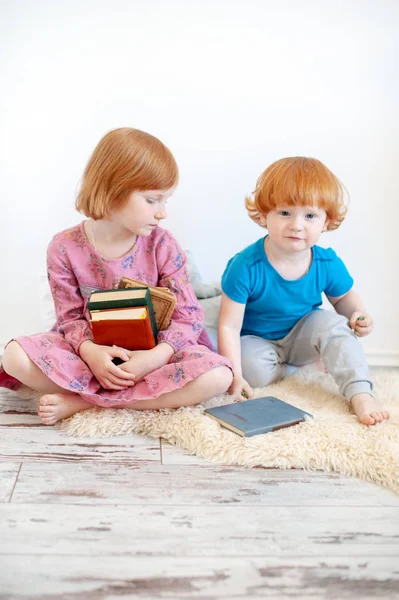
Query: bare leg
{"points": [[54, 407], [18, 364], [368, 410], [206, 386]]}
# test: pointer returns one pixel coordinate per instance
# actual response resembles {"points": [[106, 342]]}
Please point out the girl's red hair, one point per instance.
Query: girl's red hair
{"points": [[125, 160], [298, 181]]}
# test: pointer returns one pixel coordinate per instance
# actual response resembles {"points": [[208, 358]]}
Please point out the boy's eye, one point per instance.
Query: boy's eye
{"points": [[310, 216], [150, 201], [284, 213]]}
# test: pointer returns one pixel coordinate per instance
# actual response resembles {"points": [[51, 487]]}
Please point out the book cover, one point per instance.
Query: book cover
{"points": [[117, 298], [122, 298], [163, 300], [128, 328], [261, 415]]}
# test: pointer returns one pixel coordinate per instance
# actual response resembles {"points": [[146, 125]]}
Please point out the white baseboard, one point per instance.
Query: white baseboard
{"points": [[381, 358]]}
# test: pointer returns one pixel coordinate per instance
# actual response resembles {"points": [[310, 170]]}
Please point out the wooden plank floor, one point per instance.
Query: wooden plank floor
{"points": [[133, 517]]}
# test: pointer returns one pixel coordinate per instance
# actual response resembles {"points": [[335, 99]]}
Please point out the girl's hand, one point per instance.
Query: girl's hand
{"points": [[361, 323], [99, 360], [140, 363], [241, 389]]}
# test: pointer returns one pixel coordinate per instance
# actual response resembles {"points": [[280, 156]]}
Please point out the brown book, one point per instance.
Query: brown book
{"points": [[163, 300], [128, 328]]}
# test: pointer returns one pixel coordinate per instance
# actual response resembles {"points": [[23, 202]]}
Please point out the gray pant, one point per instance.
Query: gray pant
{"points": [[320, 334]]}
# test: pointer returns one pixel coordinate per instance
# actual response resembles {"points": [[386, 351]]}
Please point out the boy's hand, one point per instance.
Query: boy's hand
{"points": [[99, 360], [361, 323], [241, 389]]}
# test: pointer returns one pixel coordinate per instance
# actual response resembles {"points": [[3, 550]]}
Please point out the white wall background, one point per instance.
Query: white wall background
{"points": [[229, 87]]}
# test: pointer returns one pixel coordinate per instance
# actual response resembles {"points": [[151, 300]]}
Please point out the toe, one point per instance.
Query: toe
{"points": [[45, 415], [46, 400], [366, 419], [376, 416]]}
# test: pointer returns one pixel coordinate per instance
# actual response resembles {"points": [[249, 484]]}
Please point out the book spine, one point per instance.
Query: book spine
{"points": [[151, 314], [151, 335]]}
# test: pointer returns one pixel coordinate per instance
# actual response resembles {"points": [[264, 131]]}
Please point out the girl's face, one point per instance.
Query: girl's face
{"points": [[295, 228], [143, 211]]}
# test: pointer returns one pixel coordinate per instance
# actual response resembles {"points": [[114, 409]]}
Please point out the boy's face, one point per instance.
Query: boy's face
{"points": [[143, 211], [295, 228]]}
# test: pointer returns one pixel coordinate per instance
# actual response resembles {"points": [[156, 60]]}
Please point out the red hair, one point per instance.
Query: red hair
{"points": [[298, 181], [125, 160]]}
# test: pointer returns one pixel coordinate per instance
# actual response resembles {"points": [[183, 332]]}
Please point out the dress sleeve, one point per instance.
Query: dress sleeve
{"points": [[68, 301], [187, 320]]}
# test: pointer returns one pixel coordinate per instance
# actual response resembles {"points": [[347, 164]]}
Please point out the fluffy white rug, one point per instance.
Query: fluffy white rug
{"points": [[335, 441]]}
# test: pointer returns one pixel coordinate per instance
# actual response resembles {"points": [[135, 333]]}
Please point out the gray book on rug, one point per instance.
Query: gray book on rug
{"points": [[261, 415]]}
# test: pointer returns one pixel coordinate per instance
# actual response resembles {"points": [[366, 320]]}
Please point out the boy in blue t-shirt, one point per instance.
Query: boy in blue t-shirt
{"points": [[270, 317]]}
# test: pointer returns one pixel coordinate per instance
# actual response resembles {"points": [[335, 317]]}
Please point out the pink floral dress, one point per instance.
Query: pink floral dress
{"points": [[75, 269]]}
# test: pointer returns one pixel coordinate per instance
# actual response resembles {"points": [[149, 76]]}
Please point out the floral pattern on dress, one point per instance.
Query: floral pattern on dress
{"points": [[45, 364], [178, 375], [96, 267], [79, 383]]}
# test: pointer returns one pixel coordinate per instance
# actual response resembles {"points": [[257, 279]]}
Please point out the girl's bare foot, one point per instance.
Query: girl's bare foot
{"points": [[368, 410], [54, 407]]}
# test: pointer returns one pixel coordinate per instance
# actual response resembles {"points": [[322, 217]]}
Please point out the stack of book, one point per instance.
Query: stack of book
{"points": [[123, 317], [163, 300]]}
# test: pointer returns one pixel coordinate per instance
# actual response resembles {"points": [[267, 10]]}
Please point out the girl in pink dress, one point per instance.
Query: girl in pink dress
{"points": [[126, 184]]}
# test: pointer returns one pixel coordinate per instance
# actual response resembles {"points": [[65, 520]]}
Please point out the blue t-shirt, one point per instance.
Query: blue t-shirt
{"points": [[274, 304]]}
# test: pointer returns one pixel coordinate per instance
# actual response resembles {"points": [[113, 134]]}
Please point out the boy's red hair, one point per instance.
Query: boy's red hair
{"points": [[298, 181], [125, 160]]}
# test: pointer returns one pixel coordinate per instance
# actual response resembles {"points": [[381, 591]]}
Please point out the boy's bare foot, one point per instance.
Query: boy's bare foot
{"points": [[54, 407], [368, 410]]}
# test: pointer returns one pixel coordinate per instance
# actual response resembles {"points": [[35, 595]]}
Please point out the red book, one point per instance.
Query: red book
{"points": [[128, 328]]}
